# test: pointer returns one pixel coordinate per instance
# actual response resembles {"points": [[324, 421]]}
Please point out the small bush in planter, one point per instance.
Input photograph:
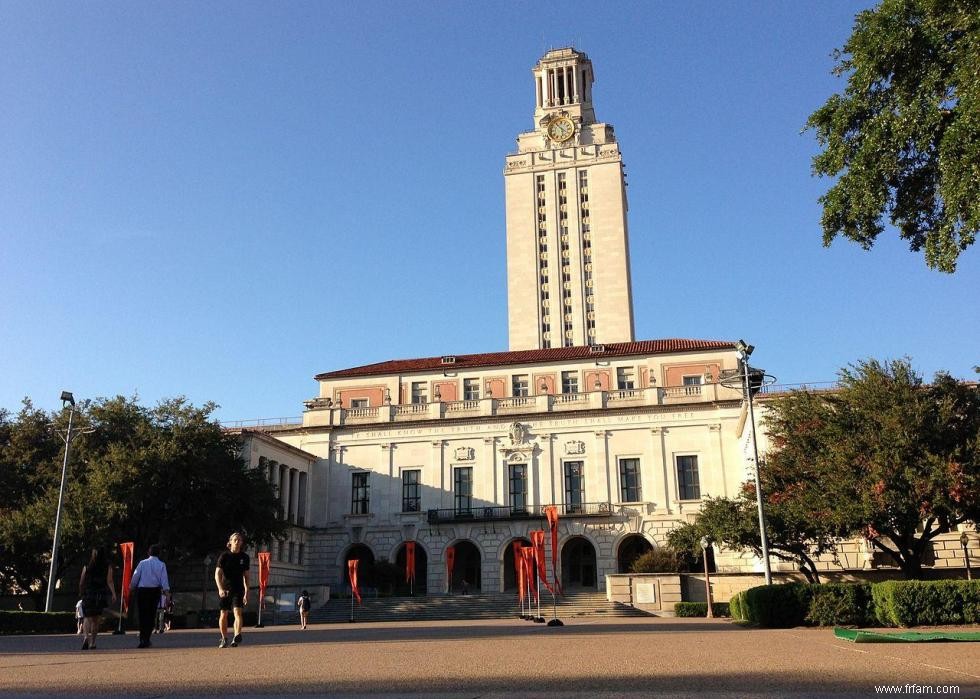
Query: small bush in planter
{"points": [[658, 560], [841, 604], [700, 609], [776, 606]]}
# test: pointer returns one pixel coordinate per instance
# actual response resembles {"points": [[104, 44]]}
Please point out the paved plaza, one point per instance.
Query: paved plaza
{"points": [[587, 657]]}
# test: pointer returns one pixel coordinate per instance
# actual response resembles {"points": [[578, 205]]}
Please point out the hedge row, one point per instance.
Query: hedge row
{"points": [[693, 609], [37, 622], [892, 603]]}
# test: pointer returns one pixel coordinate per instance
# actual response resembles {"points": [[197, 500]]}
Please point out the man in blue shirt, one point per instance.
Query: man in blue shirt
{"points": [[149, 580]]}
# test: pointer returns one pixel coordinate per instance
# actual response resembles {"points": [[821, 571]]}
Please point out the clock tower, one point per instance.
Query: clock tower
{"points": [[568, 271]]}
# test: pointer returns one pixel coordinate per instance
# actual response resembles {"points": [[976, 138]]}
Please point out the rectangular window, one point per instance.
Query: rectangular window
{"points": [[420, 392], [569, 382], [688, 483], [629, 480], [360, 403], [625, 378], [519, 384], [471, 389], [359, 494], [574, 486], [692, 385], [463, 489], [411, 490], [518, 488]]}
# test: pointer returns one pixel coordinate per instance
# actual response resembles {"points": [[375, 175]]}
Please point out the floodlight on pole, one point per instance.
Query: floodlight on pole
{"points": [[67, 401], [744, 351]]}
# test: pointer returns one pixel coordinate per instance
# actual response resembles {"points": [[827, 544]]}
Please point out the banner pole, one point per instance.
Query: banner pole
{"points": [[119, 630]]}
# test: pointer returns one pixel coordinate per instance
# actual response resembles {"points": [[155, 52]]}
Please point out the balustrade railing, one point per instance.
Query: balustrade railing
{"points": [[494, 513]]}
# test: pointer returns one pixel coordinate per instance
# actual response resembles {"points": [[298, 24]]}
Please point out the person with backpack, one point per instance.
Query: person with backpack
{"points": [[304, 609]]}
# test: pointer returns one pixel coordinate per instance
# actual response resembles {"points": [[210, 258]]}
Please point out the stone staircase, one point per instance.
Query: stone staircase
{"points": [[462, 607]]}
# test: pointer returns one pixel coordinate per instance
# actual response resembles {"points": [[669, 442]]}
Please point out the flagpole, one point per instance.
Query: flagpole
{"points": [[352, 605], [119, 631]]}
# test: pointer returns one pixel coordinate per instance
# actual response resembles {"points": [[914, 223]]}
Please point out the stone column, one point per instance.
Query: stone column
{"points": [[284, 490], [293, 494], [388, 465], [443, 477], [659, 452], [490, 458], [716, 428]]}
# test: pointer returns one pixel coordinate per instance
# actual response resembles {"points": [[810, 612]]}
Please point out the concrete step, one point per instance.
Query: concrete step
{"points": [[445, 607]]}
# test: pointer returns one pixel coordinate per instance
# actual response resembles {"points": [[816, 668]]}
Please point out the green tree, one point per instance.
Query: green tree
{"points": [[903, 140], [167, 474], [885, 456]]}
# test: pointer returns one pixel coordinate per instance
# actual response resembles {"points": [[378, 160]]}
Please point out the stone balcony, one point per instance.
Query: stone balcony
{"points": [[322, 412]]}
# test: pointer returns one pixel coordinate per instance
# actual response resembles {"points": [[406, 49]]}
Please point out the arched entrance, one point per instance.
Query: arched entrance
{"points": [[421, 571], [631, 548], [510, 573], [578, 567], [366, 557], [467, 567]]}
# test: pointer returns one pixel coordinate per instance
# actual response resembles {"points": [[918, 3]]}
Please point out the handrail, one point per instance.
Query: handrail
{"points": [[485, 514]]}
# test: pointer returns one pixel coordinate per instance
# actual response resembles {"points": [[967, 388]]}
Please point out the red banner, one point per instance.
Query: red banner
{"points": [[265, 563], [551, 513], [537, 541], [450, 564], [126, 549], [409, 561], [519, 569], [352, 576], [529, 576]]}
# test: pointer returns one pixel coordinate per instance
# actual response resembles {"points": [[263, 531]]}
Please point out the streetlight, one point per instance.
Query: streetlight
{"points": [[965, 542], [744, 352], [67, 399], [705, 544]]}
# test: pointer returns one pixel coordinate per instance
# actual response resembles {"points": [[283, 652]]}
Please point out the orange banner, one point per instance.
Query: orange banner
{"points": [[551, 513], [126, 549], [450, 564], [409, 561], [537, 541], [265, 564], [529, 576], [352, 576], [519, 569]]}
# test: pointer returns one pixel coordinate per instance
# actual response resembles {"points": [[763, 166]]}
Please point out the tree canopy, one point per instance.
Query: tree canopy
{"points": [[903, 140], [885, 456], [167, 474]]}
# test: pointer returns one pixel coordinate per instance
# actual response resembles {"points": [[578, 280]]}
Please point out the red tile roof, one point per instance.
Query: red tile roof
{"points": [[538, 356]]}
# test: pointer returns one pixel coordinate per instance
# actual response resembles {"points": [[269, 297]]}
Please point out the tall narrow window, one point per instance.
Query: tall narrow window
{"points": [[629, 480], [518, 488], [420, 393], [569, 382], [411, 490], [574, 486], [471, 389], [519, 385], [688, 482], [463, 489], [692, 385], [360, 494]]}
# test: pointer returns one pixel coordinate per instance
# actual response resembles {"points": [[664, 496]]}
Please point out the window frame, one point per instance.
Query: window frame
{"points": [[409, 486], [569, 378], [360, 403], [572, 507], [459, 497], [688, 488], [518, 388], [419, 392], [512, 479], [360, 503], [626, 378], [638, 476], [471, 389]]}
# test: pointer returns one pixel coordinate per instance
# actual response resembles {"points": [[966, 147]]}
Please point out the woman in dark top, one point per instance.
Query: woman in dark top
{"points": [[97, 589]]}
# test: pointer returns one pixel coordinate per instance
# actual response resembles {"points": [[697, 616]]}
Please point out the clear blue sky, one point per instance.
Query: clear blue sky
{"points": [[220, 200]]}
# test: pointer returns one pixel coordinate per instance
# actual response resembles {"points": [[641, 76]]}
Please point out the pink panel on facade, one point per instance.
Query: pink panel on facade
{"points": [[495, 385], [548, 380], [448, 390], [374, 394], [590, 379], [675, 374]]}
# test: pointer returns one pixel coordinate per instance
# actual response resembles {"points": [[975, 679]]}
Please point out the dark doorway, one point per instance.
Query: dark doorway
{"points": [[631, 548], [421, 571], [467, 567], [578, 566], [510, 574], [366, 557]]}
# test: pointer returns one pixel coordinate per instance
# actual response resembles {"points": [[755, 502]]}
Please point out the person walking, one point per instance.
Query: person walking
{"points": [[149, 580], [304, 609], [96, 588], [79, 615], [231, 577]]}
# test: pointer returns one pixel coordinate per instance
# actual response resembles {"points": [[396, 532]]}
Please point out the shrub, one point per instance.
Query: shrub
{"points": [[841, 604], [37, 622], [776, 606], [735, 606], [926, 603], [696, 609], [658, 560]]}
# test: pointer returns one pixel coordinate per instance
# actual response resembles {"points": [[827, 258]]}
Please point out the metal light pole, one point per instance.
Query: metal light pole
{"points": [[744, 352], [66, 399], [705, 544]]}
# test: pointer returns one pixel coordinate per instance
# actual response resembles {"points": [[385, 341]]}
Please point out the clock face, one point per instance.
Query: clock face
{"points": [[561, 129]]}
